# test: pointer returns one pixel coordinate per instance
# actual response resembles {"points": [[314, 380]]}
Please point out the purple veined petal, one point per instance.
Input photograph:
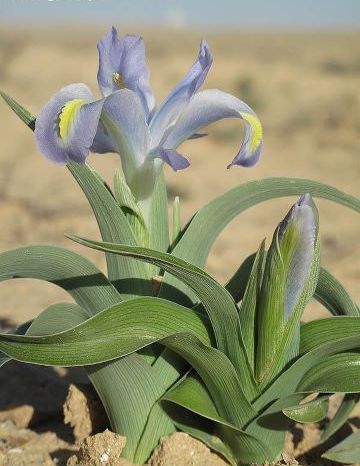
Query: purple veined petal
{"points": [[212, 105], [66, 126], [122, 64], [174, 104], [124, 120], [173, 158]]}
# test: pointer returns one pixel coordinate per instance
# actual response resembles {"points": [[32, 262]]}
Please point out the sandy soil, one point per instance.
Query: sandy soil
{"points": [[303, 87]]}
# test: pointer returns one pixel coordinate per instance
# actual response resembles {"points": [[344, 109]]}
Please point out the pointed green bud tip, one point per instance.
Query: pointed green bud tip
{"points": [[296, 242]]}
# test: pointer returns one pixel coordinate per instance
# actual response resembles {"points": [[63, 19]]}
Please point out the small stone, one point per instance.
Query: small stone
{"points": [[99, 450], [21, 416]]}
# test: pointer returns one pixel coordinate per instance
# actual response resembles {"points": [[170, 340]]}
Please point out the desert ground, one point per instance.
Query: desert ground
{"points": [[304, 88]]}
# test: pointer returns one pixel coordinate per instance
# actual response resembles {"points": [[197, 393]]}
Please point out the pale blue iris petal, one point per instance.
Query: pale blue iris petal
{"points": [[81, 131], [125, 56], [123, 118], [173, 158], [103, 141], [212, 105], [174, 104]]}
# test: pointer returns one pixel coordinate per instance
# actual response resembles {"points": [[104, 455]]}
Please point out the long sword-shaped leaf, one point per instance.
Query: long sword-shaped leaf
{"points": [[210, 220], [117, 331], [317, 332], [341, 416], [20, 111], [336, 373], [217, 301], [71, 271], [332, 294], [288, 381], [347, 451]]}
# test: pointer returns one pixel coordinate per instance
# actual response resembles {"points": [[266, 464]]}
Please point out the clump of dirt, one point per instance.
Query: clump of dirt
{"points": [[24, 447], [180, 449], [100, 450], [83, 411], [21, 415]]}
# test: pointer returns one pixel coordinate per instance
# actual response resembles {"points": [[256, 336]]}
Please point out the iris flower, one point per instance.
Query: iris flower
{"points": [[125, 120]]}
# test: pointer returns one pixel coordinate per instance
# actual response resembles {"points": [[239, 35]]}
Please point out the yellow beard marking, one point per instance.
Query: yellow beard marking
{"points": [[118, 80], [67, 116], [257, 131]]}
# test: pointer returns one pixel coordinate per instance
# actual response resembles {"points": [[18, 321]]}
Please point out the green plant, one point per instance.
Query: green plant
{"points": [[167, 347]]}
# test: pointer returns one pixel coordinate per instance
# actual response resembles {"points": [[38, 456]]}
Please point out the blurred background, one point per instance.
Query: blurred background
{"points": [[296, 63]]}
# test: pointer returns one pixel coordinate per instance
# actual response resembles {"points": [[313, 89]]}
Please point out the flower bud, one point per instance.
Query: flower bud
{"points": [[289, 279]]}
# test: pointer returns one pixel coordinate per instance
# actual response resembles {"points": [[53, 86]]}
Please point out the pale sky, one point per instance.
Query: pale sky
{"points": [[271, 14]]}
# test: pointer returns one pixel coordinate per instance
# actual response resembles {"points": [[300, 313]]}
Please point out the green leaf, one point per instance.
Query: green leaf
{"points": [[331, 293], [289, 380], [211, 219], [336, 373], [341, 416], [117, 331], [18, 330], [57, 318], [248, 306], [127, 202], [176, 226], [237, 284], [347, 451], [130, 278], [71, 271], [20, 111], [158, 224], [313, 411], [157, 426], [217, 301], [317, 332]]}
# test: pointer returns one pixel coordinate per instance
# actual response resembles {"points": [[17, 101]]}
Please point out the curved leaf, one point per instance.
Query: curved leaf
{"points": [[341, 416], [71, 271], [317, 332], [331, 293], [289, 380], [117, 331], [313, 411], [336, 373], [57, 318], [210, 220], [347, 451]]}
